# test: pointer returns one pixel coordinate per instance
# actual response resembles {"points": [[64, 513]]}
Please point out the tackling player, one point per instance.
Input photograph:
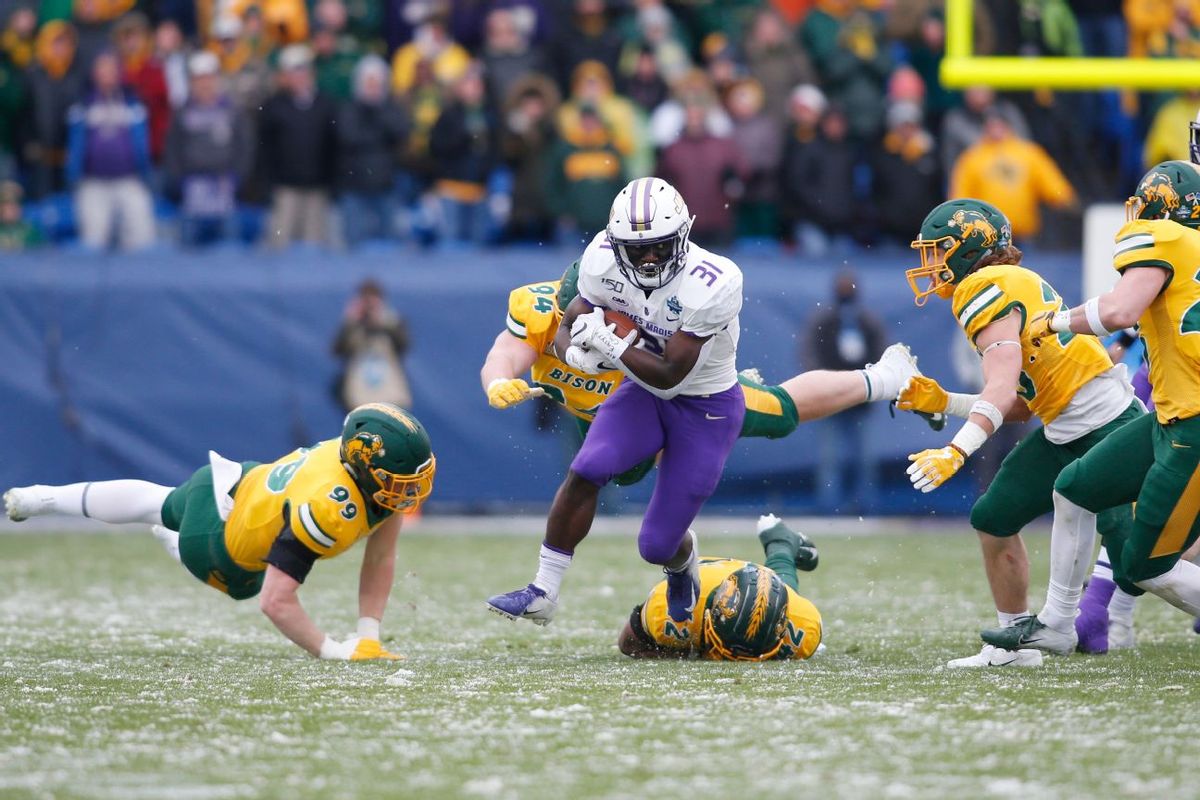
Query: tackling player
{"points": [[773, 412], [681, 396], [749, 612], [257, 529], [1155, 460], [1069, 382]]}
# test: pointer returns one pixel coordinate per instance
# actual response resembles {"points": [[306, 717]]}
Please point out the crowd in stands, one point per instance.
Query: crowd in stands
{"points": [[820, 123]]}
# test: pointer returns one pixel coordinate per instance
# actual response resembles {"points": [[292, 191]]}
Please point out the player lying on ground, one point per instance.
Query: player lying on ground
{"points": [[1069, 382], [525, 347], [746, 612], [257, 529], [1154, 460]]}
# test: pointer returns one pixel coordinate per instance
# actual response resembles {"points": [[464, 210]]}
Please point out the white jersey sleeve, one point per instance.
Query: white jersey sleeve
{"points": [[718, 310], [596, 263]]}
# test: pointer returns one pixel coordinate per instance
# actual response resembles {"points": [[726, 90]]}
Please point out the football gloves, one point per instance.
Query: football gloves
{"points": [[591, 332], [923, 395], [586, 361], [508, 392], [931, 468], [356, 648]]}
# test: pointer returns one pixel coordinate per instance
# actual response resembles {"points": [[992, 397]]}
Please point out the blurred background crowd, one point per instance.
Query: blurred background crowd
{"points": [[819, 123]]}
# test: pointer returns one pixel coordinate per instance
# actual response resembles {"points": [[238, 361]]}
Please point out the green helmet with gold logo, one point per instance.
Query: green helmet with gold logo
{"points": [[1170, 190], [954, 238], [568, 289], [387, 452], [745, 617]]}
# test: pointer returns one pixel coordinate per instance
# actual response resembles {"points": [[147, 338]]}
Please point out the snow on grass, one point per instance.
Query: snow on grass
{"points": [[120, 676]]}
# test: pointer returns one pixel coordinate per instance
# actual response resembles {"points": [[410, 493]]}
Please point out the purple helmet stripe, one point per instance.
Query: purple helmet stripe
{"points": [[646, 201], [633, 190]]}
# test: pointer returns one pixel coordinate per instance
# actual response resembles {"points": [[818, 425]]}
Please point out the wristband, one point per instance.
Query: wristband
{"points": [[368, 628], [970, 437], [986, 409], [959, 404], [1091, 309], [1061, 321]]}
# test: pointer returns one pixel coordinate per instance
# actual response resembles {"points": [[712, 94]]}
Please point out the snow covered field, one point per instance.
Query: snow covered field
{"points": [[123, 677]]}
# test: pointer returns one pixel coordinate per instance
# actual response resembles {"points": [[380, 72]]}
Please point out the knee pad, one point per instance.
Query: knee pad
{"points": [[590, 465], [1069, 486]]}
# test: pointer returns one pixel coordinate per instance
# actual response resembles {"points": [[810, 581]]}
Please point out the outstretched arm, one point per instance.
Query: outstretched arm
{"points": [[1120, 308], [1000, 344], [508, 360]]}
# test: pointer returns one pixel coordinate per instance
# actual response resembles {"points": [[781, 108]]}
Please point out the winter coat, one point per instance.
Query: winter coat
{"points": [[369, 138]]}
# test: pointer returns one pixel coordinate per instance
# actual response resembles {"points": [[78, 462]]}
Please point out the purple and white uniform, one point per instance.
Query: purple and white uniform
{"points": [[696, 423]]}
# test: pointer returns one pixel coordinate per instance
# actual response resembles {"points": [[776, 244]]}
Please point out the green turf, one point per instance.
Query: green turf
{"points": [[122, 677]]}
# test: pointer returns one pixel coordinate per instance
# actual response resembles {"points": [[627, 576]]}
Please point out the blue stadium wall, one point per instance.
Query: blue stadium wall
{"points": [[136, 366]]}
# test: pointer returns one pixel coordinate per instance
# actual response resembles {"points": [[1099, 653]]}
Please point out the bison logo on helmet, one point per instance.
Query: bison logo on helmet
{"points": [[971, 222], [363, 447], [1156, 188]]}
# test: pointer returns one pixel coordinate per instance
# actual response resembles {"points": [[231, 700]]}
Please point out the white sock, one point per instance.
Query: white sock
{"points": [[1072, 542], [1103, 568], [123, 501], [1006, 619], [552, 565], [117, 502], [169, 539], [692, 563], [1179, 586], [1120, 608]]}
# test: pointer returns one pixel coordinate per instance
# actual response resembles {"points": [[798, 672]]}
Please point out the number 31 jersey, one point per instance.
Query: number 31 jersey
{"points": [[704, 300], [308, 490]]}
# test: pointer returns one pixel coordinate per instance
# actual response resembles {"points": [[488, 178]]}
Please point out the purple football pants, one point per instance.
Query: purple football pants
{"points": [[695, 434]]}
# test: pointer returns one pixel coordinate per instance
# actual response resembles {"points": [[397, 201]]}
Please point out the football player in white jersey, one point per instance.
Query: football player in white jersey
{"points": [[681, 394]]}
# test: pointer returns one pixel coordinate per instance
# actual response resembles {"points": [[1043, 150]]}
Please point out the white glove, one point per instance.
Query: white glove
{"points": [[591, 332], [588, 362], [584, 324]]}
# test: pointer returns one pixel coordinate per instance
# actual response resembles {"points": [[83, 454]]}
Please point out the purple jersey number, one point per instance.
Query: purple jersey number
{"points": [[707, 271]]}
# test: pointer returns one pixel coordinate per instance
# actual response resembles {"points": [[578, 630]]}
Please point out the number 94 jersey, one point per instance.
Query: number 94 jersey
{"points": [[308, 490], [703, 300]]}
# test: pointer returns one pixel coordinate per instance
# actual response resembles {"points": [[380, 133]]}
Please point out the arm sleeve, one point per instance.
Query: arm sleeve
{"points": [[316, 526], [1140, 244], [289, 556], [589, 285], [533, 315], [983, 303]]}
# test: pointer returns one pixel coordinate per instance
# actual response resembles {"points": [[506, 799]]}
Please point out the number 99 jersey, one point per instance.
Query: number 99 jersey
{"points": [[309, 491]]}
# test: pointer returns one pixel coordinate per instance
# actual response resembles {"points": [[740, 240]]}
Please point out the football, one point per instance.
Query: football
{"points": [[623, 321]]}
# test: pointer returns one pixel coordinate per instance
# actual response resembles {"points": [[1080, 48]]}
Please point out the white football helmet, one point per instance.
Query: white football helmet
{"points": [[1194, 139], [648, 229]]}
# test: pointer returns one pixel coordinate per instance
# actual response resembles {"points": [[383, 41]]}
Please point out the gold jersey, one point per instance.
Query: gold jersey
{"points": [[1053, 371], [1171, 324], [534, 316], [307, 490], [804, 621]]}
